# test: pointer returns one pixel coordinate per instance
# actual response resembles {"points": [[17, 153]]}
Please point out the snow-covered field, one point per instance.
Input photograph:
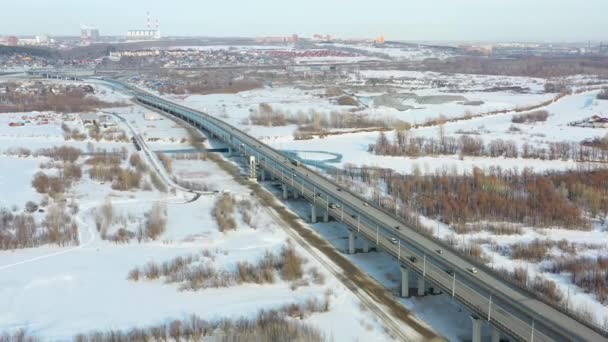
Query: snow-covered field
{"points": [[56, 292], [354, 150]]}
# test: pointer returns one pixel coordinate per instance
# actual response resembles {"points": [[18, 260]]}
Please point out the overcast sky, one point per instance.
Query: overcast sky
{"points": [[489, 20]]}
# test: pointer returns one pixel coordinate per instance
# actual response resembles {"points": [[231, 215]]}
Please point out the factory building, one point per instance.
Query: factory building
{"points": [[143, 34]]}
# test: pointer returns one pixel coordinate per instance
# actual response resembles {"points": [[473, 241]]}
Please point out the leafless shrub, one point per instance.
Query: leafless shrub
{"points": [[223, 213], [156, 222], [63, 153], [20, 335], [590, 274], [136, 162], [536, 116], [270, 325], [166, 161], [134, 274], [291, 268], [548, 289], [347, 101], [157, 182], [534, 251], [126, 180], [245, 208], [198, 276]]}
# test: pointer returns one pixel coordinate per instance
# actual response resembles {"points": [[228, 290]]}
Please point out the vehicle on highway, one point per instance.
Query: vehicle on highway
{"points": [[439, 251], [365, 204], [413, 258], [334, 205], [295, 162], [393, 240], [472, 270], [398, 227], [339, 189], [450, 272]]}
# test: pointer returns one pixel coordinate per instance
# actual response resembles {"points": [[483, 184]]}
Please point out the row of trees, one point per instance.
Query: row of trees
{"points": [[317, 121], [406, 144], [62, 99], [551, 199]]}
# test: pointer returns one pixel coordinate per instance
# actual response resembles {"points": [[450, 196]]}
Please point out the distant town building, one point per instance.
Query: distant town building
{"points": [[379, 40], [278, 40], [42, 39], [9, 40], [89, 33], [323, 38], [143, 35]]}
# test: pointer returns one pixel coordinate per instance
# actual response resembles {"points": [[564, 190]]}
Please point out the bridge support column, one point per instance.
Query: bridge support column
{"points": [[365, 245], [477, 324], [325, 216], [296, 195], [229, 151], [495, 335], [313, 213], [285, 192], [405, 282], [262, 175], [421, 286], [252, 169], [351, 242]]}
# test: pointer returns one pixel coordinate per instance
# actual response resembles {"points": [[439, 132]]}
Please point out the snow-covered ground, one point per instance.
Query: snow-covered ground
{"points": [[354, 150], [55, 292]]}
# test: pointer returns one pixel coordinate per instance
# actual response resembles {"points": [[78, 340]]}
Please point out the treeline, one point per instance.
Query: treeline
{"points": [[69, 99], [603, 95], [272, 325], [536, 116], [287, 264], [316, 121], [208, 83], [406, 144], [551, 199], [543, 67], [21, 230]]}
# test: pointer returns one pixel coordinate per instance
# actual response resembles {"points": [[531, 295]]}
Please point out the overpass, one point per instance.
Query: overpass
{"points": [[511, 312]]}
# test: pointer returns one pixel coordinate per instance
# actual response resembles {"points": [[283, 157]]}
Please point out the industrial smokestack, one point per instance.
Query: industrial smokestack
{"points": [[157, 25], [148, 20]]}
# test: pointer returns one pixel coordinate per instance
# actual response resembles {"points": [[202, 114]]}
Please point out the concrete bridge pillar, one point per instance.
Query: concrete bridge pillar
{"points": [[313, 213], [365, 245], [405, 282], [296, 195], [351, 242], [325, 216], [477, 324], [229, 151], [495, 335], [285, 192], [421, 286]]}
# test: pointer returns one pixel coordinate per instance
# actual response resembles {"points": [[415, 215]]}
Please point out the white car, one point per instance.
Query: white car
{"points": [[393, 241], [473, 270]]}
